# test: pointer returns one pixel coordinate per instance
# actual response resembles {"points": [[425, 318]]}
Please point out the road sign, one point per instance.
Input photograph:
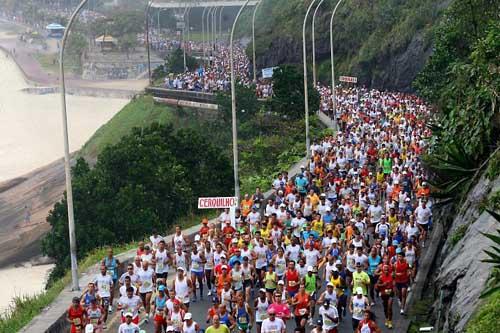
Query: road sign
{"points": [[217, 202], [348, 79], [267, 73]]}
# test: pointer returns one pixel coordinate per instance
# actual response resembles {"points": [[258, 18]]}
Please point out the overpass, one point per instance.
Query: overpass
{"points": [[200, 3]]}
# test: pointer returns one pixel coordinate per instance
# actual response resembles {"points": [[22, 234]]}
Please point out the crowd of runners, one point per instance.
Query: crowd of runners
{"points": [[344, 234]]}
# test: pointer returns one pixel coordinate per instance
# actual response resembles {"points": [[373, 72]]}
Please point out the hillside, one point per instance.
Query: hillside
{"points": [[384, 43]]}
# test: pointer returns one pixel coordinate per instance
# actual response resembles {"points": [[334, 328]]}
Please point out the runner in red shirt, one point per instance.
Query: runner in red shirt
{"points": [[204, 227], [403, 271], [76, 316], [292, 279], [302, 302], [385, 286], [367, 324]]}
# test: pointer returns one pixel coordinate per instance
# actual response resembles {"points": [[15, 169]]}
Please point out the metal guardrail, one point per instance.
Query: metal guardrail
{"points": [[184, 95]]}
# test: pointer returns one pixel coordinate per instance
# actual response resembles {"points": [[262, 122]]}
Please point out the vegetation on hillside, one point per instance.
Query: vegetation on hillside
{"points": [[462, 80], [367, 34], [147, 180]]}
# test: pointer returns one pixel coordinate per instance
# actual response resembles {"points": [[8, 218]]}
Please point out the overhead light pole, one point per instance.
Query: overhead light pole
{"points": [[184, 36], [253, 41], [306, 95], [220, 23], [203, 32], [233, 105], [334, 94], [67, 167], [209, 42], [148, 9], [314, 41]]}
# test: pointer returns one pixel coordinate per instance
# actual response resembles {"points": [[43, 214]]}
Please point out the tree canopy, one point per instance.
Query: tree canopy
{"points": [[148, 180]]}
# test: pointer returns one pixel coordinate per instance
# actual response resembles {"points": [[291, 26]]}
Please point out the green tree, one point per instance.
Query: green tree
{"points": [[148, 180], [288, 88], [247, 104], [175, 62]]}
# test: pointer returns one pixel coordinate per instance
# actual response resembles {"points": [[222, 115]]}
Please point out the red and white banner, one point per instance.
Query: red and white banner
{"points": [[217, 202], [349, 79]]}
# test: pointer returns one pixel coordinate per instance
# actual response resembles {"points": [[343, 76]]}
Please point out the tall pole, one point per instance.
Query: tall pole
{"points": [[208, 35], [67, 167], [184, 36], [233, 105], [334, 94], [220, 23], [148, 8], [203, 32], [306, 95], [253, 41], [214, 26], [314, 42]]}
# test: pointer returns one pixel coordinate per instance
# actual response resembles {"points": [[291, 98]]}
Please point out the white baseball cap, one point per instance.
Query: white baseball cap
{"points": [[170, 329], [359, 291], [128, 314], [281, 282], [310, 268], [188, 316], [197, 238]]}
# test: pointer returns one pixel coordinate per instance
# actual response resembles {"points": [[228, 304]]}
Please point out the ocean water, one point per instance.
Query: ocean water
{"points": [[31, 125]]}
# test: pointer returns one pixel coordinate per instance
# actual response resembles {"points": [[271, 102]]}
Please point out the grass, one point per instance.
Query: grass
{"points": [[486, 317], [25, 308], [458, 234], [50, 63], [139, 112]]}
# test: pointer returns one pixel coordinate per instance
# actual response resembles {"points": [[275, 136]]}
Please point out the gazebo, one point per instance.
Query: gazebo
{"points": [[106, 42], [55, 30]]}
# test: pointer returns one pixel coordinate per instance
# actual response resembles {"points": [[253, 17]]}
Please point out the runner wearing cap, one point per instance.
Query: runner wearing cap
{"points": [[176, 316], [402, 278], [330, 316], [182, 287], [261, 304], [357, 306], [311, 284], [128, 326], [159, 309], [190, 326]]}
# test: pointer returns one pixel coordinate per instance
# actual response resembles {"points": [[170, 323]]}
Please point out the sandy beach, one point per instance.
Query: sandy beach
{"points": [[30, 125]]}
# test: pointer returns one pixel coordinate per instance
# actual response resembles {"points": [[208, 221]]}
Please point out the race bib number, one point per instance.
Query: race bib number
{"points": [[196, 265], [292, 283], [243, 320], [327, 322], [105, 287], [302, 312], [146, 284], [77, 321], [160, 265], [94, 321]]}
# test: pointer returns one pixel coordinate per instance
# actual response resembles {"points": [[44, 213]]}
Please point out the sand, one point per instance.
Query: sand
{"points": [[31, 125]]}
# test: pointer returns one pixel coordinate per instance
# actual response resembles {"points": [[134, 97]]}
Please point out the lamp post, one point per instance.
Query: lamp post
{"points": [[253, 41], [214, 27], [148, 8], [208, 34], [220, 23], [314, 41], [184, 36], [203, 32], [334, 95], [306, 95], [67, 166], [233, 105]]}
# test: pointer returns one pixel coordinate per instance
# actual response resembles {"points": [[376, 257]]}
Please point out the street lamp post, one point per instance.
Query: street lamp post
{"points": [[208, 34], [67, 167], [306, 95], [253, 41], [184, 36], [334, 95], [220, 23], [314, 41], [233, 105], [148, 8], [214, 27], [203, 32]]}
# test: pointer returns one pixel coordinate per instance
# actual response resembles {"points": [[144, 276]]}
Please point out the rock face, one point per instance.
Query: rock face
{"points": [[460, 272], [395, 72]]}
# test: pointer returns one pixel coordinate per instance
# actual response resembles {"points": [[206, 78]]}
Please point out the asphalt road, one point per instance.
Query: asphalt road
{"points": [[199, 310]]}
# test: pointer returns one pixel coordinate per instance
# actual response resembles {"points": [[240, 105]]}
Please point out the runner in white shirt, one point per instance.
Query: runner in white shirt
{"points": [[273, 324], [162, 259], [155, 239], [130, 303], [330, 315], [128, 326], [104, 285], [146, 275]]}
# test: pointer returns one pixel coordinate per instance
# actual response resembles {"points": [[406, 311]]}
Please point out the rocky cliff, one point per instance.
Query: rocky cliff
{"points": [[384, 43], [457, 270]]}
